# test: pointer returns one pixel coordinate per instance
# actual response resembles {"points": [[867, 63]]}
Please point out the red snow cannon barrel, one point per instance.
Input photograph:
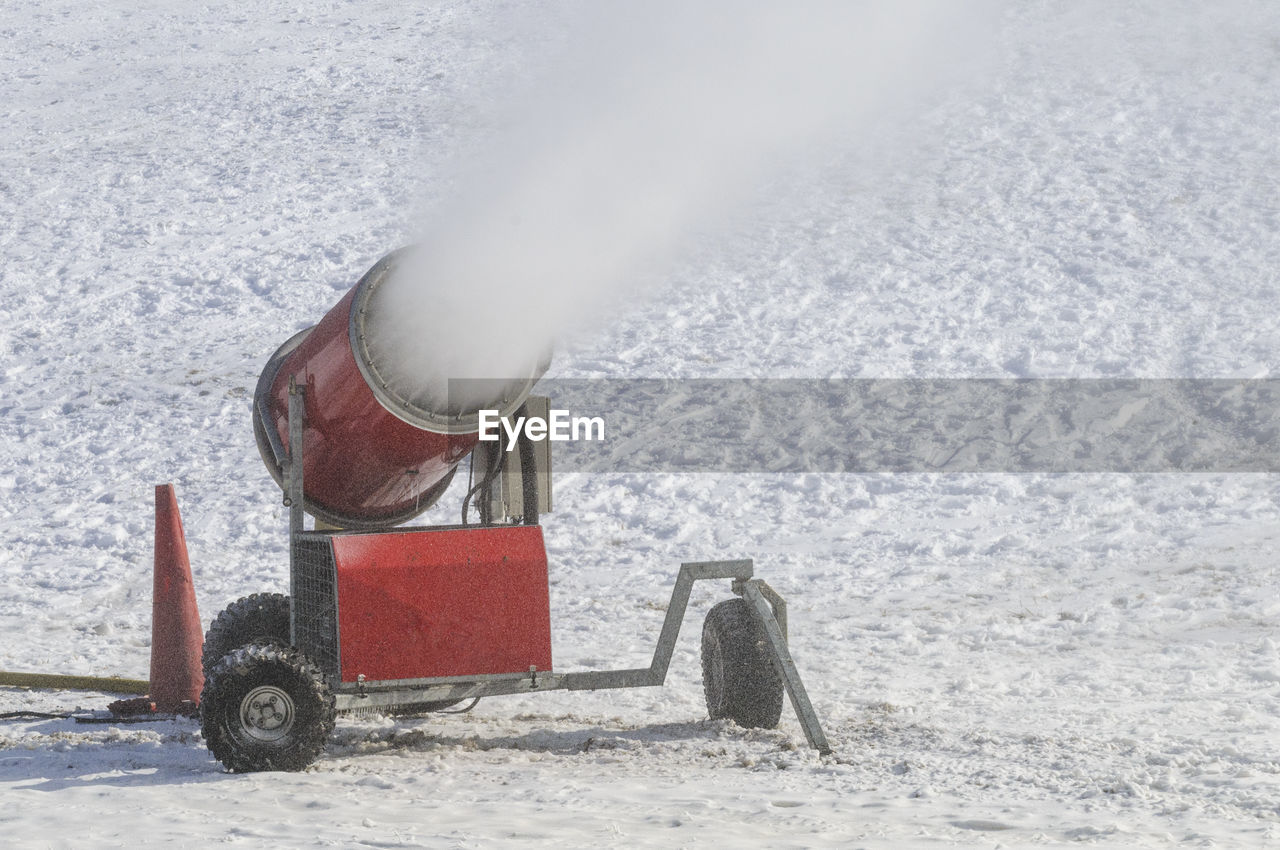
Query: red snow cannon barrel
{"points": [[378, 451]]}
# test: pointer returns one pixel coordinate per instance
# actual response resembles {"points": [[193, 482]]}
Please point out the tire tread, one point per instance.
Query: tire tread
{"points": [[739, 676], [250, 619], [238, 672]]}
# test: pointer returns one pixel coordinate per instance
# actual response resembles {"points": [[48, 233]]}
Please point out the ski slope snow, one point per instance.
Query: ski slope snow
{"points": [[999, 659]]}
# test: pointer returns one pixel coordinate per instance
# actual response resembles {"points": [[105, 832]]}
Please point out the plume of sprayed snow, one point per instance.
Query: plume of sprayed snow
{"points": [[648, 126]]}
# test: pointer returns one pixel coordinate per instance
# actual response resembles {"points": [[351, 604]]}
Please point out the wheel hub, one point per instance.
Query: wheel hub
{"points": [[266, 713]]}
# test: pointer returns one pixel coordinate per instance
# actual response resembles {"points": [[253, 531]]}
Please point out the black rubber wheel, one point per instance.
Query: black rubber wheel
{"points": [[738, 673], [261, 618], [265, 707]]}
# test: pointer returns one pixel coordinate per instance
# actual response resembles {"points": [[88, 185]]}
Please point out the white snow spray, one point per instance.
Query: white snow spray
{"points": [[654, 121]]}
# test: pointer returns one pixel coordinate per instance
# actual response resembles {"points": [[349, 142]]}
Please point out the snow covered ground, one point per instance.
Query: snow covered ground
{"points": [[999, 659]]}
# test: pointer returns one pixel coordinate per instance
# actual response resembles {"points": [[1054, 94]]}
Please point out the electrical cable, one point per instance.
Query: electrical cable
{"points": [[33, 715], [474, 701], [85, 718], [495, 464]]}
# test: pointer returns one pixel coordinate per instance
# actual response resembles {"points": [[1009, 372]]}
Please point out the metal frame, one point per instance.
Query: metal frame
{"points": [[294, 492], [768, 607], [270, 446]]}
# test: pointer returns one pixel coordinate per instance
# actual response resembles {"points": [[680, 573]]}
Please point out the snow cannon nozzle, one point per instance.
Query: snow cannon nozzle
{"points": [[380, 446]]}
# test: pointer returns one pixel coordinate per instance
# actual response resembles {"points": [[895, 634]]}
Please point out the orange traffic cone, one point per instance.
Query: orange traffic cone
{"points": [[176, 637]]}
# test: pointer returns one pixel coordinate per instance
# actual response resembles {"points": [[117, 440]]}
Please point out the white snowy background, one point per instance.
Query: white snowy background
{"points": [[998, 659]]}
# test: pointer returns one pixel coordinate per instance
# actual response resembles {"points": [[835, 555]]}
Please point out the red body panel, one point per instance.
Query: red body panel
{"points": [[361, 463], [442, 602]]}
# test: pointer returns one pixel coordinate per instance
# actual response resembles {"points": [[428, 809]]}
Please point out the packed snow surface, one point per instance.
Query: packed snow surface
{"points": [[998, 659]]}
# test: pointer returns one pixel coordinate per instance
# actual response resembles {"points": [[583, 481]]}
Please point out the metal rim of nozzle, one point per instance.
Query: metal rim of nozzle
{"points": [[379, 383]]}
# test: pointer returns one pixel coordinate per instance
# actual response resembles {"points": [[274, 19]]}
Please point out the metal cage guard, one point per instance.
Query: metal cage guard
{"points": [[768, 607]]}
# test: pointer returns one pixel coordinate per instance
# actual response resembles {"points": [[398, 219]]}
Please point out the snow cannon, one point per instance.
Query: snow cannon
{"points": [[378, 451], [415, 620]]}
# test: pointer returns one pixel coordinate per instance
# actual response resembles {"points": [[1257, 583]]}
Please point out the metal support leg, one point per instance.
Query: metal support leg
{"points": [[755, 595], [293, 494]]}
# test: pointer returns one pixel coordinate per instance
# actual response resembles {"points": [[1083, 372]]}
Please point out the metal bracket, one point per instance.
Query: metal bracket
{"points": [[776, 602]]}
